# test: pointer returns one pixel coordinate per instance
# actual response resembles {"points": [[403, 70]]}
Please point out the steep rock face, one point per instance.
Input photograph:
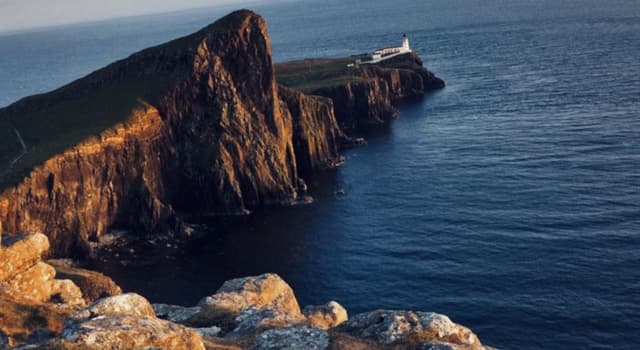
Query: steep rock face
{"points": [[206, 133], [316, 135], [108, 179], [371, 100]]}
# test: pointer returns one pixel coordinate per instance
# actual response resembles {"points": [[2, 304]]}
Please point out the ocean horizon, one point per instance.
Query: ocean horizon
{"points": [[510, 200]]}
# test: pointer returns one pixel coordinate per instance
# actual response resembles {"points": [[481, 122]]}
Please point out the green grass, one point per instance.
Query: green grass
{"points": [[308, 75], [52, 123]]}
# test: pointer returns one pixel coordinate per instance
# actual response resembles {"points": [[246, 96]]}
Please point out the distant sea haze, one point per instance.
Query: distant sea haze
{"points": [[509, 201]]}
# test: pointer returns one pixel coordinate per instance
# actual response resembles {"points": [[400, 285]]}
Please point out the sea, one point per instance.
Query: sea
{"points": [[509, 201]]}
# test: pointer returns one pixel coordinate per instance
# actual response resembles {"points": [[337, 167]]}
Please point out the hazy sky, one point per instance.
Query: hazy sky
{"points": [[20, 14]]}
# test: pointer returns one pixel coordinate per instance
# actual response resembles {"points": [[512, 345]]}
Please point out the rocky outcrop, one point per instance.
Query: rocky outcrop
{"points": [[129, 332], [326, 316], [129, 304], [244, 305], [292, 338], [33, 303], [372, 100], [125, 322], [365, 95], [94, 285], [27, 279], [20, 252], [410, 329], [200, 127], [259, 312]]}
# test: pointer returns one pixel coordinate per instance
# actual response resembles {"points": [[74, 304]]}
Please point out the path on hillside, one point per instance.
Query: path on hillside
{"points": [[24, 149]]}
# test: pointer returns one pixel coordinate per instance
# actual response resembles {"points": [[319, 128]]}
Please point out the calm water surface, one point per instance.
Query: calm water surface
{"points": [[509, 201]]}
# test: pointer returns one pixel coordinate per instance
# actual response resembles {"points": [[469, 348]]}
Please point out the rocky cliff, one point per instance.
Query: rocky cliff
{"points": [[362, 95], [316, 135], [196, 125]]}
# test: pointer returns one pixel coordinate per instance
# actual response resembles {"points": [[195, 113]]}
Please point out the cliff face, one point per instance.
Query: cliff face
{"points": [[371, 100], [316, 135], [204, 130]]}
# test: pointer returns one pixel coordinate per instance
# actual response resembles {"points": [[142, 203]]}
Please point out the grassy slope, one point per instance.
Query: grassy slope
{"points": [[52, 122], [59, 125], [307, 75]]}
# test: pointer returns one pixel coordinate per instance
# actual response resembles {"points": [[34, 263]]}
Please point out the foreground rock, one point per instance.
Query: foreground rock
{"points": [[261, 312], [20, 252], [125, 322], [129, 304], [94, 285], [258, 312], [326, 316], [424, 330], [33, 303], [245, 305], [130, 332], [292, 338]]}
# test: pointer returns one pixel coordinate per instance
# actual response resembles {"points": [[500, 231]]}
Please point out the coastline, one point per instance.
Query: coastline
{"points": [[91, 304]]}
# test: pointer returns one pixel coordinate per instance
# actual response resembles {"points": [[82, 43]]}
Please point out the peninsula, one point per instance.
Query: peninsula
{"points": [[205, 124]]}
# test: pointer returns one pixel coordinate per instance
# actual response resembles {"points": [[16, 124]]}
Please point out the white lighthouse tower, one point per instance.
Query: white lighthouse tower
{"points": [[405, 43]]}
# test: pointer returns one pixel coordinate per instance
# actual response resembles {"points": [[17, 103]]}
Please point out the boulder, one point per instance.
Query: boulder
{"points": [[252, 320], [292, 338], [129, 304], [408, 328], [93, 285], [326, 316], [124, 332], [66, 292], [264, 292], [19, 253], [35, 284]]}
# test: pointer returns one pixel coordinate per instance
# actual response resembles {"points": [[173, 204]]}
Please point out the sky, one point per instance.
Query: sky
{"points": [[23, 14]]}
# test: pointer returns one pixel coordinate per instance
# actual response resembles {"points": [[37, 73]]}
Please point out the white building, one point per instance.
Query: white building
{"points": [[388, 52]]}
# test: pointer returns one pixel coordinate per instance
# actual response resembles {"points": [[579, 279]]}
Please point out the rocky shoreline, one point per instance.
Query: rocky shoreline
{"points": [[88, 311], [205, 127]]}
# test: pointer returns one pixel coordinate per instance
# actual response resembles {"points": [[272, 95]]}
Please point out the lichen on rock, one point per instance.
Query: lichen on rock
{"points": [[326, 316], [292, 338], [409, 328]]}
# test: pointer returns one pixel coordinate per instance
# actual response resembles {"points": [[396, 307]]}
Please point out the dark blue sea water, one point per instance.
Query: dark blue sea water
{"points": [[509, 201]]}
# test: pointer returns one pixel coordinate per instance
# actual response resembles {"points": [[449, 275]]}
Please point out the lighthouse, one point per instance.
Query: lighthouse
{"points": [[388, 52], [405, 42]]}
